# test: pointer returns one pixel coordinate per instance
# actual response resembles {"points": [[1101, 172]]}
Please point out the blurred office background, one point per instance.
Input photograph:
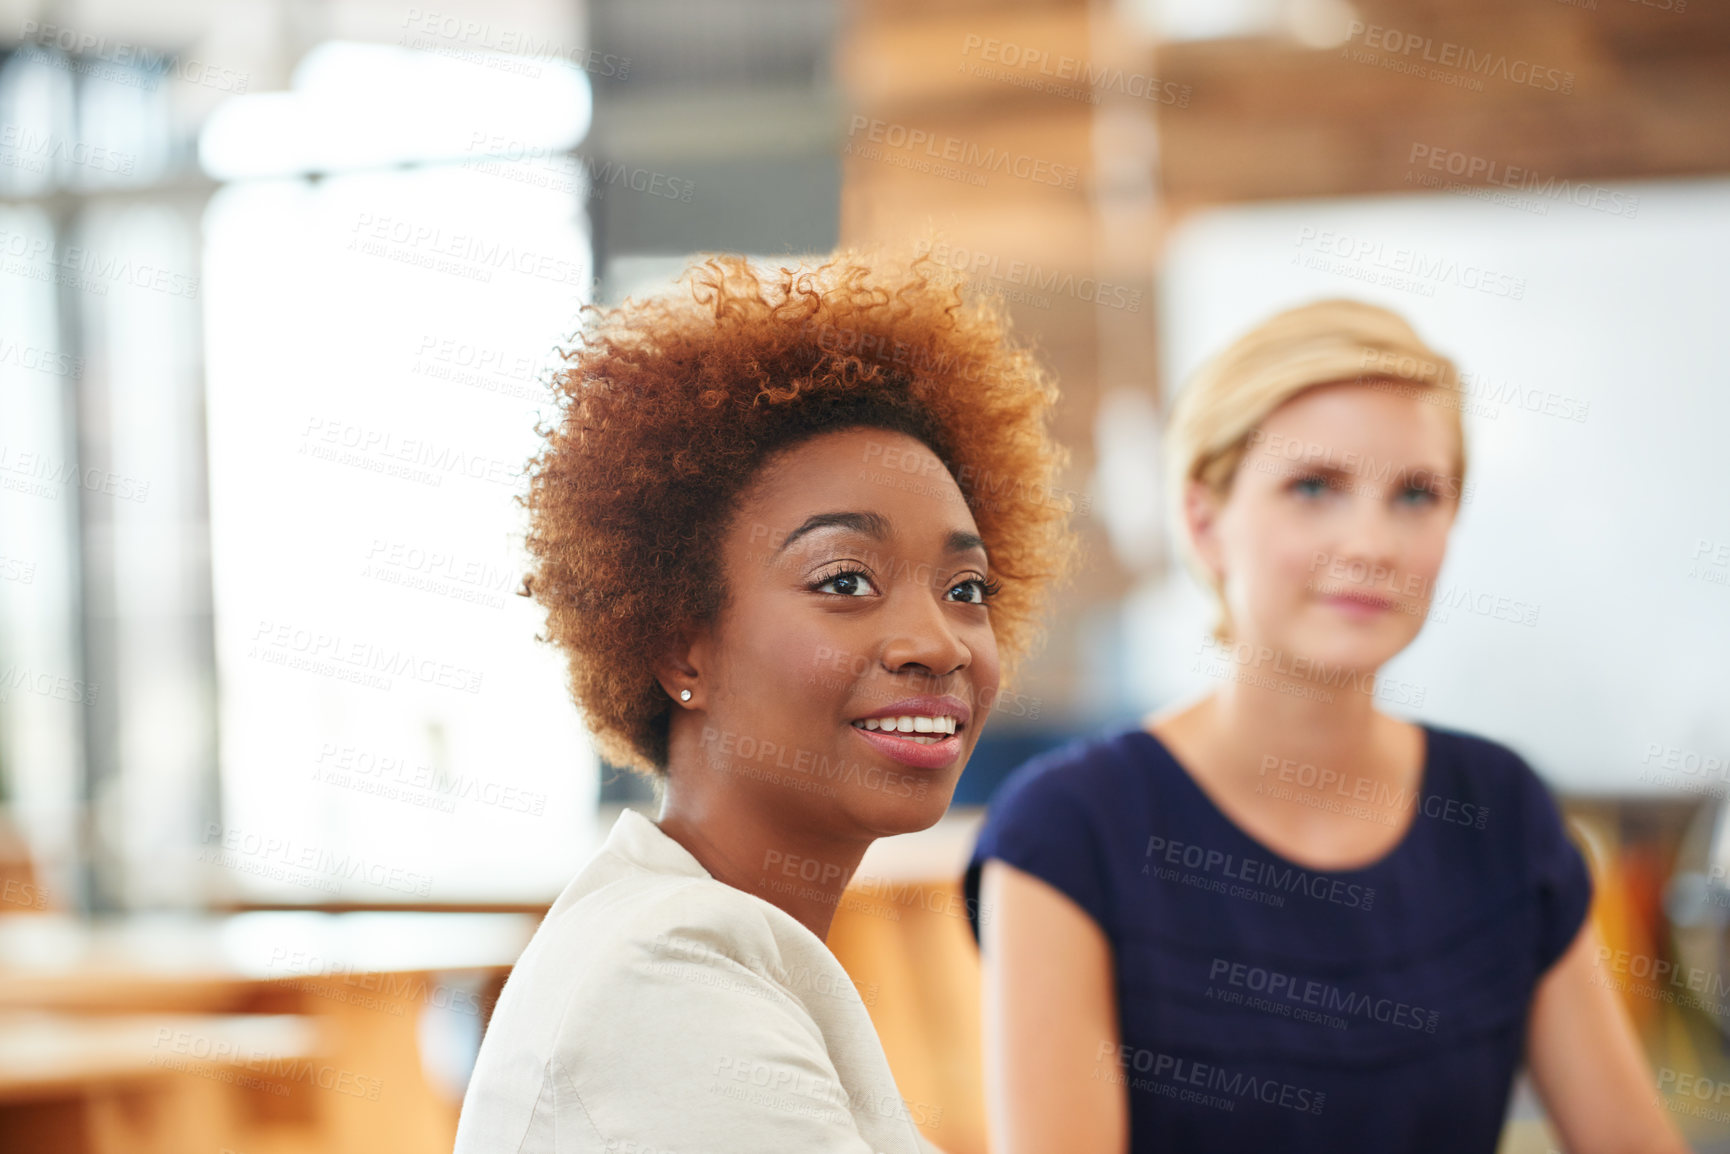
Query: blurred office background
{"points": [[283, 771]]}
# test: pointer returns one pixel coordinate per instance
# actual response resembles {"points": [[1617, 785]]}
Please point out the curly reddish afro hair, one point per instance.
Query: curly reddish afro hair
{"points": [[668, 407]]}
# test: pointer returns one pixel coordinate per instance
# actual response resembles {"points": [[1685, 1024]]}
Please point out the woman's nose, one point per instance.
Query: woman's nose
{"points": [[923, 635]]}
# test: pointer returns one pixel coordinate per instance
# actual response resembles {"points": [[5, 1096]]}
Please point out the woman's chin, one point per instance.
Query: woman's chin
{"points": [[889, 816], [1330, 657], [1350, 662]]}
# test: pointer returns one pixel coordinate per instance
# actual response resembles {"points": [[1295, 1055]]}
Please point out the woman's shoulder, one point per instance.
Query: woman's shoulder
{"points": [[635, 922], [641, 1006], [1072, 817], [1090, 769], [637, 956], [1489, 769], [1486, 791]]}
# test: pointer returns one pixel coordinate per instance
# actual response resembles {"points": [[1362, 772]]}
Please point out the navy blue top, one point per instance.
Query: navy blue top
{"points": [[1265, 1006]]}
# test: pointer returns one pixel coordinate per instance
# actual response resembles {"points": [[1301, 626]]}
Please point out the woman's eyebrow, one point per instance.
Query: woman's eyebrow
{"points": [[961, 541], [876, 526], [873, 525]]}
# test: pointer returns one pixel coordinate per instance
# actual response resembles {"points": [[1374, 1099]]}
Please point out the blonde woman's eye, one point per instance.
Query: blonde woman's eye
{"points": [[849, 583], [1419, 495]]}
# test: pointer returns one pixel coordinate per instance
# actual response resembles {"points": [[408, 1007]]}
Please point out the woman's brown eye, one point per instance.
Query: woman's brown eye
{"points": [[852, 583], [983, 590]]}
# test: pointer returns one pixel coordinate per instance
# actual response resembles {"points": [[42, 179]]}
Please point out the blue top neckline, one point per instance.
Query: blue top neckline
{"points": [[1425, 780]]}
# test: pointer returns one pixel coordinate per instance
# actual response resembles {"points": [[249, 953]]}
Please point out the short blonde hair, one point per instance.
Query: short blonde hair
{"points": [[1322, 343]]}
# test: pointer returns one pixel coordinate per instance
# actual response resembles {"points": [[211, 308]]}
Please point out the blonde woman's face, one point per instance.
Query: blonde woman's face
{"points": [[1337, 522]]}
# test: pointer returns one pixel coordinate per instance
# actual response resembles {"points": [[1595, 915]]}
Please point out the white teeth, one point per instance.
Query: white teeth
{"points": [[937, 727]]}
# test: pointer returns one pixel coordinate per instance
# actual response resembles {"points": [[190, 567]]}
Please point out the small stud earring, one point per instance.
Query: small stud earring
{"points": [[684, 695]]}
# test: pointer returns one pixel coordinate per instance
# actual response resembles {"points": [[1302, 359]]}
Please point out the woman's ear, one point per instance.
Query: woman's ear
{"points": [[681, 665], [1201, 508]]}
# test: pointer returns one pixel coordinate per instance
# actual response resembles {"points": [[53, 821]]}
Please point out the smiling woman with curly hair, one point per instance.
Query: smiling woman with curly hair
{"points": [[791, 529]]}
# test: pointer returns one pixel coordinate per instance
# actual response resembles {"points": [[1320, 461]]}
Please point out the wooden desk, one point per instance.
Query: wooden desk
{"points": [[372, 983], [142, 1083], [212, 963]]}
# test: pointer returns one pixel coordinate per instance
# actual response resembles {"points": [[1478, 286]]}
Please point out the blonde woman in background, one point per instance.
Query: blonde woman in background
{"points": [[1278, 917]]}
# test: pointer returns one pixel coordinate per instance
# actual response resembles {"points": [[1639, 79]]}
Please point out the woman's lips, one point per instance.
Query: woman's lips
{"points": [[937, 755], [1359, 606]]}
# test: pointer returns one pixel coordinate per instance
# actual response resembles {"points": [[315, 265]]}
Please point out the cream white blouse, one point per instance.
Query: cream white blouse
{"points": [[659, 1011]]}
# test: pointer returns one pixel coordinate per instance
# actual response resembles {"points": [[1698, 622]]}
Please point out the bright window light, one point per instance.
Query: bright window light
{"points": [[358, 106]]}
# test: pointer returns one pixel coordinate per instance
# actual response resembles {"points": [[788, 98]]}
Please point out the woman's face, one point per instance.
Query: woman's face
{"points": [[857, 589], [1335, 527]]}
